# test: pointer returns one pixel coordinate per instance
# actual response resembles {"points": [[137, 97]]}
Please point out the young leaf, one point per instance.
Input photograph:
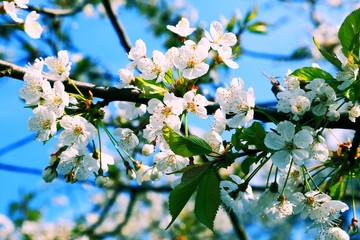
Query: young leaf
{"points": [[251, 15], [331, 57], [253, 135], [353, 92], [182, 192], [258, 27], [310, 73], [337, 190], [186, 147], [150, 89], [349, 33], [208, 199]]}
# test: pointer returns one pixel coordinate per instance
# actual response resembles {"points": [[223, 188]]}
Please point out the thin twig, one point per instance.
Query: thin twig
{"points": [[58, 12], [118, 26]]}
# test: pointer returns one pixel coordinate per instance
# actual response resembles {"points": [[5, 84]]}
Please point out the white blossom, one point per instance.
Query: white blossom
{"points": [[191, 59], [77, 131], [154, 68], [31, 26], [168, 161], [166, 112], [126, 77], [226, 56], [333, 233], [128, 140], [7, 227], [32, 91], [78, 161], [218, 37], [196, 104], [56, 98], [182, 28], [288, 144], [322, 96], [43, 122], [347, 76], [59, 66], [130, 110], [12, 10], [136, 53], [236, 200], [237, 102]]}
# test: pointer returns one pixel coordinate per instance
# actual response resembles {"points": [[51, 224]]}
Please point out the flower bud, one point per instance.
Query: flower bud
{"points": [[70, 177], [148, 149], [49, 174], [155, 174], [101, 181], [130, 173]]}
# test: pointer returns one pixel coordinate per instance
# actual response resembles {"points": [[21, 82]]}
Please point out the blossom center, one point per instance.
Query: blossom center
{"points": [[191, 106], [78, 130], [46, 123], [167, 111]]}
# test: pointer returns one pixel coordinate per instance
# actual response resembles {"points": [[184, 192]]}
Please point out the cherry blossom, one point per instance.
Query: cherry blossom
{"points": [[59, 66], [218, 38], [196, 104], [43, 122], [31, 26], [182, 28], [289, 145], [78, 162], [128, 140], [167, 161], [77, 131]]}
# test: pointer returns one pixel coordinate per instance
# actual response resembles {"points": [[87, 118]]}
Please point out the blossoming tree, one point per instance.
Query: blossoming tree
{"points": [[158, 97]]}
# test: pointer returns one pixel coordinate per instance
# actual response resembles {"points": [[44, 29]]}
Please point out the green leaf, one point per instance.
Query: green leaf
{"points": [[247, 162], [208, 199], [150, 89], [253, 135], [349, 33], [258, 27], [169, 77], [331, 57], [251, 15], [182, 192], [337, 190], [310, 73], [186, 147], [353, 92]]}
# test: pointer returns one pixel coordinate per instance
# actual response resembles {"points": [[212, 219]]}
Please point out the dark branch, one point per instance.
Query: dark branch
{"points": [[59, 12], [119, 28], [109, 94]]}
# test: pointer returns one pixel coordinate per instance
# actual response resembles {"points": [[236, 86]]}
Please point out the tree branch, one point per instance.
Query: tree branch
{"points": [[109, 94], [119, 28], [58, 12]]}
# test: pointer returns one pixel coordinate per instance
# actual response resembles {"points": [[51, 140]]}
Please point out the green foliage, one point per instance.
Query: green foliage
{"points": [[331, 57], [186, 146], [182, 192], [349, 34], [310, 73], [251, 15], [150, 89], [247, 162], [337, 190], [353, 92], [253, 135], [208, 199], [257, 27]]}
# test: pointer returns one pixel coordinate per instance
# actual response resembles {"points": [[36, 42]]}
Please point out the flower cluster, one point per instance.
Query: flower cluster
{"points": [[160, 129]]}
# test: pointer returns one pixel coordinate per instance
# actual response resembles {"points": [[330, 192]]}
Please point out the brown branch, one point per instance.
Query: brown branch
{"points": [[118, 27], [109, 94], [58, 12]]}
